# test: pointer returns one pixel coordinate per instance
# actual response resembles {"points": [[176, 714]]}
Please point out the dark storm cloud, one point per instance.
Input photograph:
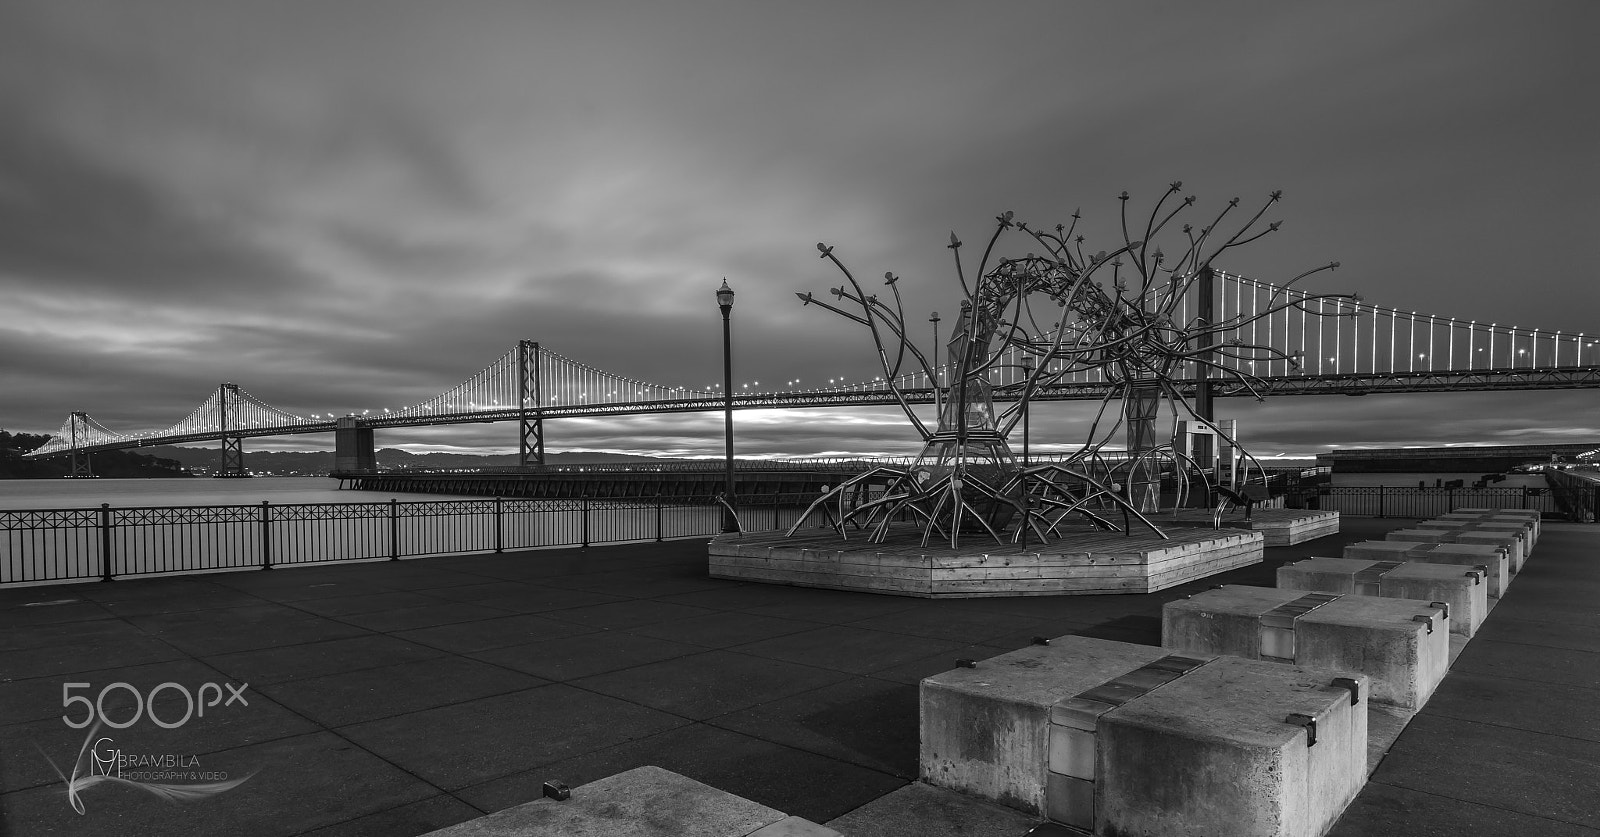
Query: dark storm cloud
{"points": [[76, 226], [355, 205]]}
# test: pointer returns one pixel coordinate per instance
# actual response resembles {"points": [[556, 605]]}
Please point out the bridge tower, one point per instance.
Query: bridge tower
{"points": [[232, 443], [1205, 450], [1140, 411], [530, 430], [81, 466]]}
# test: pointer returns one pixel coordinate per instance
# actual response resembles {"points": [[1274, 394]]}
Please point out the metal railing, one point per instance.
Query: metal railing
{"points": [[75, 544], [1402, 501], [1577, 491]]}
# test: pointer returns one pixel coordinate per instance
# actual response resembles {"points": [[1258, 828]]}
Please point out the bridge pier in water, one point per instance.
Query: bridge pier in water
{"points": [[352, 446]]}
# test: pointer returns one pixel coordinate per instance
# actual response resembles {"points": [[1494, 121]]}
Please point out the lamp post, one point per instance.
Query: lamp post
{"points": [[730, 522], [937, 374], [1027, 391]]}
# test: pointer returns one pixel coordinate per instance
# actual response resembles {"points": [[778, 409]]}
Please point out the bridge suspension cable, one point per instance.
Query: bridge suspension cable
{"points": [[229, 410], [1338, 337], [560, 382], [1327, 340]]}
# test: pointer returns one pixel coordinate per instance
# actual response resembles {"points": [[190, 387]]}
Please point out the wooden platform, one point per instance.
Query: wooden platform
{"points": [[1089, 563], [1282, 527]]}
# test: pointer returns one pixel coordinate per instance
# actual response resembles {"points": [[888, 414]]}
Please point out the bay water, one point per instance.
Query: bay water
{"points": [[195, 491]]}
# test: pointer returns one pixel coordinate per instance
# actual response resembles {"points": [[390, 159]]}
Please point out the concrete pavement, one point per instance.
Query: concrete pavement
{"points": [[396, 698]]}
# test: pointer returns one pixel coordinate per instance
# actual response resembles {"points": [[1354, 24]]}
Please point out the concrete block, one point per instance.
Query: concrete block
{"points": [[1529, 525], [1403, 645], [1517, 551], [643, 802], [1522, 530], [1493, 559], [1533, 516], [984, 728], [1218, 751], [1513, 543], [1464, 589], [1126, 739]]}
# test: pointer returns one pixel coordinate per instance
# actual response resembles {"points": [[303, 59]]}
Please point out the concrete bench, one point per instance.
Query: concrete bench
{"points": [[1511, 542], [1533, 516], [643, 802], [1493, 559], [1521, 529], [1116, 738], [1531, 525], [1403, 645], [1465, 590]]}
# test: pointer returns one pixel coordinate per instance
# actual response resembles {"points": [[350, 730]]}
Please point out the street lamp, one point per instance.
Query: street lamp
{"points": [[938, 374], [730, 522], [1027, 387]]}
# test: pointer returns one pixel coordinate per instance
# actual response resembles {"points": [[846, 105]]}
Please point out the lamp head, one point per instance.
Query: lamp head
{"points": [[725, 296]]}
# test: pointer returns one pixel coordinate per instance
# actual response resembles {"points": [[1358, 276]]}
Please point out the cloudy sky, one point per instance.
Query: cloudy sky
{"points": [[346, 205]]}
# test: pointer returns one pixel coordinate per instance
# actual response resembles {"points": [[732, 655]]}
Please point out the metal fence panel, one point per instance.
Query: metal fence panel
{"points": [[73, 544], [50, 545]]}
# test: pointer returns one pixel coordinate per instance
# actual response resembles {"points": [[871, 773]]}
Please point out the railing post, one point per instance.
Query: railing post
{"points": [[1380, 501], [105, 542], [584, 504], [775, 523], [394, 529], [266, 535], [660, 533], [499, 536]]}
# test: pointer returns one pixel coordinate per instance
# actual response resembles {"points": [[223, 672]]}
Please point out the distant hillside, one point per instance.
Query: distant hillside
{"points": [[287, 463], [117, 464]]}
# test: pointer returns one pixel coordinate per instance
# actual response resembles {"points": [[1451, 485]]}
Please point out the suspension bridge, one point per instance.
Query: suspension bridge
{"points": [[1334, 346]]}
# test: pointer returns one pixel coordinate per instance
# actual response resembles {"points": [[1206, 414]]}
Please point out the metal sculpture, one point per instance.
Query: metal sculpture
{"points": [[1052, 315]]}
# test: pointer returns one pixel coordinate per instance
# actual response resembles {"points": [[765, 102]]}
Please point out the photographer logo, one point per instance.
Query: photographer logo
{"points": [[176, 777]]}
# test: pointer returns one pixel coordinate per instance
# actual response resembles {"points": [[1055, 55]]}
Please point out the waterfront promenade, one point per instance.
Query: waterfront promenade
{"points": [[393, 698]]}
